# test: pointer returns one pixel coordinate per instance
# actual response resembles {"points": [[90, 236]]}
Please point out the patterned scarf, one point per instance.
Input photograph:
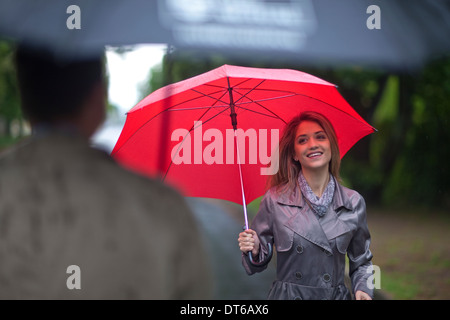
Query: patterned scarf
{"points": [[319, 205]]}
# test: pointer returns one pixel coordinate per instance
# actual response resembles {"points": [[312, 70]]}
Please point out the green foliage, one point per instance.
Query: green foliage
{"points": [[422, 171], [9, 93]]}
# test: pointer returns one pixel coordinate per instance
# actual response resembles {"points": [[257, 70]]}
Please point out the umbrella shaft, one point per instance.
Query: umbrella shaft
{"points": [[233, 116], [244, 203]]}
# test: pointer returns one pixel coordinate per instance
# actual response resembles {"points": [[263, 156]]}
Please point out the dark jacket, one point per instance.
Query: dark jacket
{"points": [[311, 250]]}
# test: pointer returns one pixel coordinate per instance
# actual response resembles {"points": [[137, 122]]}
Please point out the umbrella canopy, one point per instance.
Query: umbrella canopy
{"points": [[390, 34], [48, 24], [186, 131], [324, 32]]}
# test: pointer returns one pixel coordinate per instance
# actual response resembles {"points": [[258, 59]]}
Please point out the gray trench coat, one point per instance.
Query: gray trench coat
{"points": [[311, 250]]}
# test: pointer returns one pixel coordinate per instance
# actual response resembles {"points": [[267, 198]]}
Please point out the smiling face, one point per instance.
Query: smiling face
{"points": [[309, 142], [312, 146]]}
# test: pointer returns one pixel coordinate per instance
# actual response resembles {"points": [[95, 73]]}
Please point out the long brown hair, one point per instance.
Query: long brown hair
{"points": [[289, 169]]}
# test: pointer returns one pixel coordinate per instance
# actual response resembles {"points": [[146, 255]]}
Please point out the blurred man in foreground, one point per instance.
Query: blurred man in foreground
{"points": [[73, 224]]}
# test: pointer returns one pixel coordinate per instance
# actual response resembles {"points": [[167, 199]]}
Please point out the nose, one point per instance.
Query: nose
{"points": [[312, 144]]}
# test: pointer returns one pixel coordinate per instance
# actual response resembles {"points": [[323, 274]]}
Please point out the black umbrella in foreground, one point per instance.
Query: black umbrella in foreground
{"points": [[395, 34]]}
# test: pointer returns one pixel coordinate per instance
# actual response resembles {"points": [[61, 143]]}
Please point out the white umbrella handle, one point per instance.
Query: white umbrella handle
{"points": [[244, 203]]}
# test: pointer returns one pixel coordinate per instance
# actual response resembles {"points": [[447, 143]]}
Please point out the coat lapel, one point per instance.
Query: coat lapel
{"points": [[332, 226], [306, 223]]}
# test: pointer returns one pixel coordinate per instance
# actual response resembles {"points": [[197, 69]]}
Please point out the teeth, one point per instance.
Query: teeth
{"points": [[314, 154]]}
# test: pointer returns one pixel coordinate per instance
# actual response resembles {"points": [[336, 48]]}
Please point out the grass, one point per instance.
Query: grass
{"points": [[8, 141], [400, 286], [412, 249]]}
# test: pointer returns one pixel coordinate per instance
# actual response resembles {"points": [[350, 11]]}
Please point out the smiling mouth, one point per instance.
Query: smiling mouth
{"points": [[314, 154]]}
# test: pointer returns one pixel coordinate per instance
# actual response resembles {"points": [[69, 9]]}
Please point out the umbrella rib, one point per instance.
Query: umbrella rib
{"points": [[172, 109], [208, 96], [269, 99], [250, 89], [192, 99], [304, 95], [192, 128], [189, 100], [257, 102], [226, 87], [209, 119], [256, 88], [171, 160], [263, 114], [243, 81], [216, 100], [270, 111], [248, 92], [334, 107], [214, 86], [266, 89], [287, 96], [199, 108]]}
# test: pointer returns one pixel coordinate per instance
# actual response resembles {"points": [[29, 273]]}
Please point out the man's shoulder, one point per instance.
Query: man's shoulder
{"points": [[77, 163]]}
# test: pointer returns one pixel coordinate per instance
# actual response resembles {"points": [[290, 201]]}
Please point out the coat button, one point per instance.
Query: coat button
{"points": [[299, 248], [327, 253], [298, 275], [326, 277]]}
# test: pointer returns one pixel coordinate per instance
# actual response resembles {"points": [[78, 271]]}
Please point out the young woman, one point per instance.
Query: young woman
{"points": [[312, 220]]}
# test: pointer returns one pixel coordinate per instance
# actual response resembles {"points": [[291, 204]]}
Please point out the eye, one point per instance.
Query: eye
{"points": [[321, 136], [302, 140]]}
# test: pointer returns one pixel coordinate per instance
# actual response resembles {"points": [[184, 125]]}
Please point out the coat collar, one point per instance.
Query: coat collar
{"points": [[308, 225], [293, 197]]}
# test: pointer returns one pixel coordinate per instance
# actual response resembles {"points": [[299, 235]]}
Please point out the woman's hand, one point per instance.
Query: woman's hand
{"points": [[249, 241], [361, 295]]}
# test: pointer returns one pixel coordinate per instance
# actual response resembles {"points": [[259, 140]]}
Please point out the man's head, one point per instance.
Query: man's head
{"points": [[56, 92]]}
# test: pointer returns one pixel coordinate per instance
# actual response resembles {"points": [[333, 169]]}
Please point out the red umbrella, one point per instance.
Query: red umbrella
{"points": [[187, 131]]}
